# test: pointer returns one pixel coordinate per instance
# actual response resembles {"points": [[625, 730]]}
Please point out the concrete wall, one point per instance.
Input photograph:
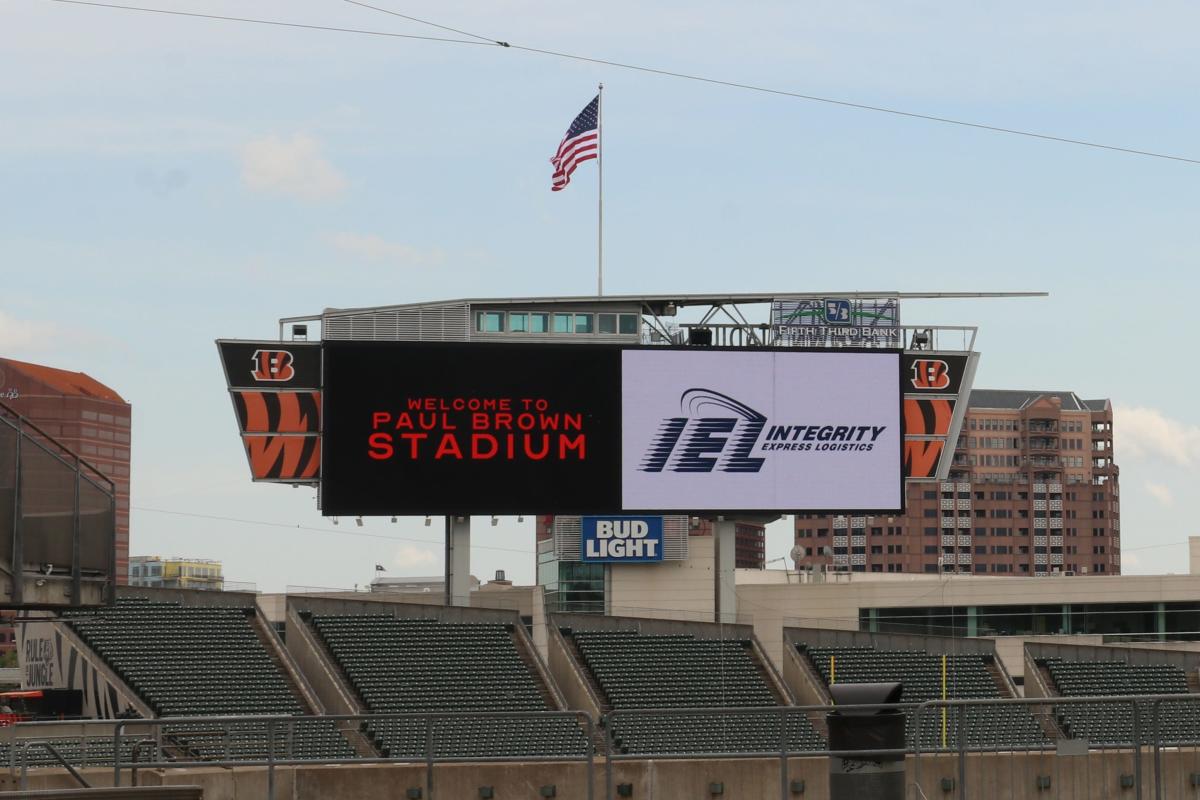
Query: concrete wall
{"points": [[382, 604], [703, 630], [950, 645], [682, 590], [806, 685], [326, 682], [1008, 775], [1187, 660], [73, 665], [1011, 649], [191, 597], [576, 691], [771, 606]]}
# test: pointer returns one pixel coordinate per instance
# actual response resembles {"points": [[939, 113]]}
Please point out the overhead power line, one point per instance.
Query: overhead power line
{"points": [[277, 23], [796, 95], [491, 42], [326, 531]]}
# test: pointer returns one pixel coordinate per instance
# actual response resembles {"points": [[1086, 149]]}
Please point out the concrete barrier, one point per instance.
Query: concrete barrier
{"points": [[1011, 776]]}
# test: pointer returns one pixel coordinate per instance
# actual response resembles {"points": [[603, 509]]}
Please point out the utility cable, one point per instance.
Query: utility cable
{"points": [[801, 96], [486, 41], [268, 524], [278, 23], [426, 22]]}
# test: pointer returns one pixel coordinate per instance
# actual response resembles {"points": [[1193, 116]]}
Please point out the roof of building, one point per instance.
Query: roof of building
{"points": [[659, 301], [73, 384], [1019, 399]]}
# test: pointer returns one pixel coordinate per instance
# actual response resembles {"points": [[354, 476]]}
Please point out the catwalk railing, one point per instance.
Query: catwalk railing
{"points": [[1154, 751]]}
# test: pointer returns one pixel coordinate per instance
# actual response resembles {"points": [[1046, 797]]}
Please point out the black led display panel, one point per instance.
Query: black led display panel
{"points": [[462, 428]]}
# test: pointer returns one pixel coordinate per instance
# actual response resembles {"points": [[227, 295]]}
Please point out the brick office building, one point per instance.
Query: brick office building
{"points": [[85, 416], [1033, 490]]}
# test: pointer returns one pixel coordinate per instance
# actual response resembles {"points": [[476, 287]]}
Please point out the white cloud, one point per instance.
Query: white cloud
{"points": [[26, 335], [409, 556], [1148, 433], [1160, 493], [294, 167], [370, 247]]}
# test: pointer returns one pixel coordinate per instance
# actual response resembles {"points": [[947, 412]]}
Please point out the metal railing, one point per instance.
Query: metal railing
{"points": [[1159, 757]]}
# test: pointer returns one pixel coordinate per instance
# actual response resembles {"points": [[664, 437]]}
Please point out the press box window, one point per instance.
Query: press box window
{"points": [[539, 323], [606, 323], [518, 323], [562, 323], [489, 321], [629, 323], [583, 323]]}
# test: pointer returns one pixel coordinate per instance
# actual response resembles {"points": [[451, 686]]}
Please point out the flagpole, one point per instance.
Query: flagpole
{"points": [[600, 195]]}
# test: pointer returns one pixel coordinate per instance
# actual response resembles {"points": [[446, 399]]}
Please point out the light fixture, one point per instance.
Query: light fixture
{"points": [[393, 520], [495, 520], [520, 518], [428, 521], [358, 521], [299, 333], [334, 520]]}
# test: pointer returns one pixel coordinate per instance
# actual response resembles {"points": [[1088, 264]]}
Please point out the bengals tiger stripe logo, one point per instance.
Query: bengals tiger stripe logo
{"points": [[281, 458], [278, 412], [928, 417], [272, 365], [930, 373], [921, 457]]}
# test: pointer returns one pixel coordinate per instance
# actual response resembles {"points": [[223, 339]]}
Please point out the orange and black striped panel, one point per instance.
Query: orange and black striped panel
{"points": [[927, 416], [278, 412], [921, 457], [283, 458]]}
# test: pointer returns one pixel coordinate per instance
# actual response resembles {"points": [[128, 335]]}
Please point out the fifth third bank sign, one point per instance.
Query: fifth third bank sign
{"points": [[768, 430]]}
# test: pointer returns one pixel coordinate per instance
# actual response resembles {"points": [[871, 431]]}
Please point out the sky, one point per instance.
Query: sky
{"points": [[168, 181]]}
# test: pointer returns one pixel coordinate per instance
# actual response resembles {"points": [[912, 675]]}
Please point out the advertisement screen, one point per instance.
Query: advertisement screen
{"points": [[469, 428], [773, 430], [620, 540], [449, 428]]}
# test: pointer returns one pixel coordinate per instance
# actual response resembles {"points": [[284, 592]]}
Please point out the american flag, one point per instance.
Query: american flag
{"points": [[582, 143]]}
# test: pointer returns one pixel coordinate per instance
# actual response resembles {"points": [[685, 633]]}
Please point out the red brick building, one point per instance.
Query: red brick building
{"points": [[1033, 490], [84, 415]]}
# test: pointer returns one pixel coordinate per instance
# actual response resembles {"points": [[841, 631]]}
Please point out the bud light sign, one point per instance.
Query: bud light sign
{"points": [[621, 539]]}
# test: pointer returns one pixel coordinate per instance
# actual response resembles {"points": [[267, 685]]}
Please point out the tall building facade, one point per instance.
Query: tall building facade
{"points": [[84, 415], [1033, 491], [176, 573]]}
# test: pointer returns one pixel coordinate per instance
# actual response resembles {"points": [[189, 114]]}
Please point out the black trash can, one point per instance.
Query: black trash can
{"points": [[872, 776]]}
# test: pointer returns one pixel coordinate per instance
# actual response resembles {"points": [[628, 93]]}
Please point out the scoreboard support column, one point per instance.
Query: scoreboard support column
{"points": [[725, 541], [458, 561], [725, 562]]}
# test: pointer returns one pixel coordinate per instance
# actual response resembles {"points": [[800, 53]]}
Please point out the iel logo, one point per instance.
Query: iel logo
{"points": [[272, 365], [931, 373], [715, 433]]}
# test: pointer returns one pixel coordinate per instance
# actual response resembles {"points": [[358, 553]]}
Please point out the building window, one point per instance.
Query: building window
{"points": [[583, 323], [606, 323], [518, 323], [629, 324], [539, 323], [489, 321], [563, 323]]}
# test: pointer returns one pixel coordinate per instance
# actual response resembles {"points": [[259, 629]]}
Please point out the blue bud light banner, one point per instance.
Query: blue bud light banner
{"points": [[621, 539]]}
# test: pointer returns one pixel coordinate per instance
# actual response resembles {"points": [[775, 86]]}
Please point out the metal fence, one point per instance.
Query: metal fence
{"points": [[1151, 746]]}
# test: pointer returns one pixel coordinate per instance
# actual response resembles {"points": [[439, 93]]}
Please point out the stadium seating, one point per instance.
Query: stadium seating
{"points": [[1113, 724], [187, 661], [644, 671], [423, 665], [967, 677]]}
